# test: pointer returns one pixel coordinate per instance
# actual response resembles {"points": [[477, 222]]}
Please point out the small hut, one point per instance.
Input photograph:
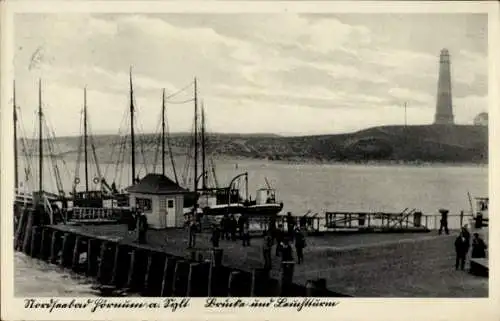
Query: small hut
{"points": [[161, 200]]}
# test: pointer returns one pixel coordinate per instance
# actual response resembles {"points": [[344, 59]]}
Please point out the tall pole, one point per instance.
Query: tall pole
{"points": [[204, 177], [16, 170], [85, 138], [163, 133], [195, 134], [406, 123], [40, 137], [132, 138]]}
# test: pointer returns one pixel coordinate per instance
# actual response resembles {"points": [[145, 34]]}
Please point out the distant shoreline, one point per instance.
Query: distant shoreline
{"points": [[308, 161]]}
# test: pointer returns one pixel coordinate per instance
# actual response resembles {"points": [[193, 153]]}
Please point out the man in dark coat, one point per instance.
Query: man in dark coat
{"points": [[279, 235], [245, 236], [143, 227], [444, 221], [215, 236], [286, 250], [232, 227], [266, 250], [465, 233], [224, 225], [193, 228], [478, 247], [300, 244], [461, 249]]}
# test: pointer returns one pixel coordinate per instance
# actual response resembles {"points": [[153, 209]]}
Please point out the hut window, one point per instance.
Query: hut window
{"points": [[144, 204], [163, 204], [170, 204]]}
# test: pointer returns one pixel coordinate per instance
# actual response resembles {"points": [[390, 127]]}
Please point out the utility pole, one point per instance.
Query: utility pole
{"points": [[40, 137], [85, 138], [195, 135], [163, 133], [132, 137], [406, 122], [16, 170]]}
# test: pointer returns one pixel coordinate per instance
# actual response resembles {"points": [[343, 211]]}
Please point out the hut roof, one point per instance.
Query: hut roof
{"points": [[156, 184]]}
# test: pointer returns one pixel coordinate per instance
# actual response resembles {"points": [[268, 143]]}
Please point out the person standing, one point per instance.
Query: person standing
{"points": [[192, 232], [290, 222], [232, 227], [279, 237], [224, 224], [286, 251], [461, 249], [215, 236], [246, 235], [444, 221], [300, 244], [478, 247], [143, 228], [266, 250]]}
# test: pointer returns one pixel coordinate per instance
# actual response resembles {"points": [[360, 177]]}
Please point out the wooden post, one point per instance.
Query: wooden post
{"points": [[43, 243], [102, 263], [91, 256], [75, 262], [149, 272], [67, 247], [192, 278], [179, 286], [259, 279], [54, 251], [27, 233], [168, 276], [286, 278], [35, 241], [20, 231], [131, 269], [116, 261], [233, 283]]}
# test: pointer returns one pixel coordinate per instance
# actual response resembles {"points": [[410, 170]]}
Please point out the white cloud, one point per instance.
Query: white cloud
{"points": [[263, 73]]}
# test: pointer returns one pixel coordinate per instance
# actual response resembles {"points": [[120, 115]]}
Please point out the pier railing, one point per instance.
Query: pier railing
{"points": [[90, 213]]}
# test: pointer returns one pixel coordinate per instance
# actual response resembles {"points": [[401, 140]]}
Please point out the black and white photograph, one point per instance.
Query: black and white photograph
{"points": [[263, 154]]}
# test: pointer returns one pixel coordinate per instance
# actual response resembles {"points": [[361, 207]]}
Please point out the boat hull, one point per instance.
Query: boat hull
{"points": [[250, 210]]}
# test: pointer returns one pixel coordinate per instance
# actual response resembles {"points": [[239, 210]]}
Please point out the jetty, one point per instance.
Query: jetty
{"points": [[405, 264]]}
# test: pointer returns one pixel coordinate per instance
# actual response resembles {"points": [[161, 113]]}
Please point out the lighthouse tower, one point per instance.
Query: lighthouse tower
{"points": [[444, 108]]}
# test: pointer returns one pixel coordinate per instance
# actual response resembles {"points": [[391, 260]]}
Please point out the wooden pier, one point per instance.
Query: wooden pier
{"points": [[404, 264]]}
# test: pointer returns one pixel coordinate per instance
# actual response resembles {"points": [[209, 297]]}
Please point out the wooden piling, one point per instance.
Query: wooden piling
{"points": [[179, 286], [131, 269], [27, 233], [75, 261], [20, 231], [148, 274], [92, 246], [44, 243], [259, 283], [217, 256], [286, 277], [102, 262], [54, 247], [193, 269], [168, 276], [116, 265], [232, 285], [35, 241], [67, 249]]}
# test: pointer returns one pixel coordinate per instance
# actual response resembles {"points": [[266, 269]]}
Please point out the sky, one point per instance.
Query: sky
{"points": [[289, 74]]}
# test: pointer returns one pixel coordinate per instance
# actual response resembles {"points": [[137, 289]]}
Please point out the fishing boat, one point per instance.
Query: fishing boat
{"points": [[217, 200]]}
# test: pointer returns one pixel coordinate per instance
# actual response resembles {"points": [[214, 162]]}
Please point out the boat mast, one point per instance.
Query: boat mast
{"points": [[204, 182], [40, 133], [132, 126], [85, 138], [163, 133], [195, 135], [16, 170]]}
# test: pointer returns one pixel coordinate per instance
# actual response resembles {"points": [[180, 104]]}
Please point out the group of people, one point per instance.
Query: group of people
{"points": [[138, 222], [231, 228], [463, 244]]}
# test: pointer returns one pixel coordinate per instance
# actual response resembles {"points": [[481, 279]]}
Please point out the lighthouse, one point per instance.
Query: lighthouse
{"points": [[444, 108]]}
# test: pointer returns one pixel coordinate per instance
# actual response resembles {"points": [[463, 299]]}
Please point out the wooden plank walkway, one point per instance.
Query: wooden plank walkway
{"points": [[361, 265]]}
